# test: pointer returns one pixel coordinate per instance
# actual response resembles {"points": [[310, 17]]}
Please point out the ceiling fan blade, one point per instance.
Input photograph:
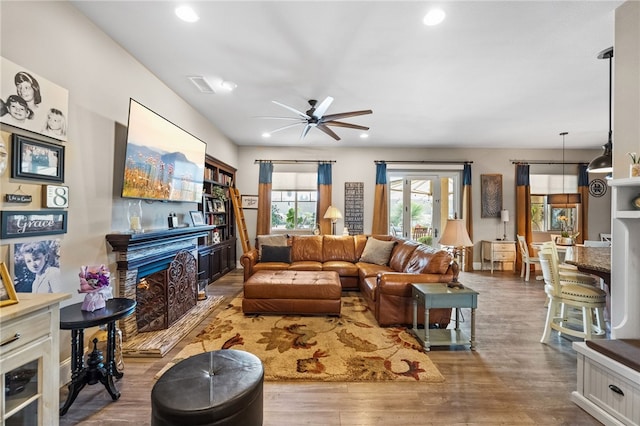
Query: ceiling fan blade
{"points": [[301, 114], [305, 131], [346, 114], [328, 131], [285, 127], [283, 118], [322, 108], [342, 124]]}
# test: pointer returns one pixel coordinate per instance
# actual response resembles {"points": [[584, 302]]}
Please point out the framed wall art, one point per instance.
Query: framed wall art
{"points": [[19, 224], [37, 160], [491, 195], [8, 294], [249, 202], [197, 218], [218, 206], [32, 102]]}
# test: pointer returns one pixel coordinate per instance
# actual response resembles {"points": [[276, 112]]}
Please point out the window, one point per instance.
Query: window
{"points": [[294, 198], [544, 215]]}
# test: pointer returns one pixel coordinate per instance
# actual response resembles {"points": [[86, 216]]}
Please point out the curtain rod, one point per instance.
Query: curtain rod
{"points": [[422, 162], [547, 162], [294, 161]]}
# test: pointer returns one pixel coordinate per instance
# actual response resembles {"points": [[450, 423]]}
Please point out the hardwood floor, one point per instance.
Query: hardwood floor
{"points": [[511, 379]]}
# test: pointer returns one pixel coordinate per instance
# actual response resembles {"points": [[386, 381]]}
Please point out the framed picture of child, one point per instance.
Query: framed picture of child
{"points": [[36, 267], [32, 102]]}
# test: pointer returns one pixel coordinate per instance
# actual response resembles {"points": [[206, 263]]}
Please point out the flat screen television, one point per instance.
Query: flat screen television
{"points": [[162, 161]]}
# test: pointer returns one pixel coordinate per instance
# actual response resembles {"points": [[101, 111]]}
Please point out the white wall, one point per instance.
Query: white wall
{"points": [[55, 41], [357, 165]]}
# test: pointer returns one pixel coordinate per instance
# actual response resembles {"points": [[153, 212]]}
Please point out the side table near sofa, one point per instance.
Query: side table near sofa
{"points": [[433, 296]]}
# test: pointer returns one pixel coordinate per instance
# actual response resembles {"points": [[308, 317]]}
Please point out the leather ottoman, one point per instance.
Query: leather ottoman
{"points": [[221, 388], [293, 293]]}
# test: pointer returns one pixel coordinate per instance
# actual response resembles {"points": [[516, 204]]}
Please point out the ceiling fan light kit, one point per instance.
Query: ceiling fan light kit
{"points": [[315, 117]]}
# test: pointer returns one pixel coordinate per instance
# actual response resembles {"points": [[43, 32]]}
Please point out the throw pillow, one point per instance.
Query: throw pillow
{"points": [[279, 240], [377, 251], [276, 254]]}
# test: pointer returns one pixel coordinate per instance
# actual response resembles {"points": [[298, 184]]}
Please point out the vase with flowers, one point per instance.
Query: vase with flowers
{"points": [[95, 283], [634, 167], [567, 235]]}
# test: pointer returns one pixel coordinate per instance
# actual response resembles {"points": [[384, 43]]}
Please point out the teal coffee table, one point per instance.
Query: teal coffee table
{"points": [[441, 296]]}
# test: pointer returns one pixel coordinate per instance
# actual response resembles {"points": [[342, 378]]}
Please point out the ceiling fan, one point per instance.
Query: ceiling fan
{"points": [[315, 117]]}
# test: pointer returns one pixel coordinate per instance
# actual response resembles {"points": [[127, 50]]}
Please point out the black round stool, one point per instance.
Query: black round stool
{"points": [[214, 388]]}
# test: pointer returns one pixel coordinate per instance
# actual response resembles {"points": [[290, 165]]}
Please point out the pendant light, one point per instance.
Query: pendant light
{"points": [[604, 163], [564, 198]]}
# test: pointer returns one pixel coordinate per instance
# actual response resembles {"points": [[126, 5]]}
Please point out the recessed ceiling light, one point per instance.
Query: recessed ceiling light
{"points": [[187, 14], [434, 17], [266, 135], [228, 85], [364, 135]]}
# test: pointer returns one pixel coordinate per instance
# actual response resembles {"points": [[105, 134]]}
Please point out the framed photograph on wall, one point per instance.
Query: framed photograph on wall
{"points": [[20, 224], [8, 294], [37, 160], [33, 103], [490, 195], [249, 202], [197, 218]]}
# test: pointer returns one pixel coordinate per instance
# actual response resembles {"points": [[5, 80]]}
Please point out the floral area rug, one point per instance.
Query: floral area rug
{"points": [[351, 347]]}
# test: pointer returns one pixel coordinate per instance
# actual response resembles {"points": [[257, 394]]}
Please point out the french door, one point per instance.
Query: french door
{"points": [[420, 204]]}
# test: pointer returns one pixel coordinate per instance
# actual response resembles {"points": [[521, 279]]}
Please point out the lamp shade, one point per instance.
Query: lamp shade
{"points": [[604, 162], [333, 213], [455, 234], [504, 215]]}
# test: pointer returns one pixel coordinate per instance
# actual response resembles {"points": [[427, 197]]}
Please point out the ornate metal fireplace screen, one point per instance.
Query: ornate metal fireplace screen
{"points": [[165, 296]]}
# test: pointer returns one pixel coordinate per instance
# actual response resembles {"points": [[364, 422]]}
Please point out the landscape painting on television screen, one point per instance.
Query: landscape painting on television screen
{"points": [[163, 162]]}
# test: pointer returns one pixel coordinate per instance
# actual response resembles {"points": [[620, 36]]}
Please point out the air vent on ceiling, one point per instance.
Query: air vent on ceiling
{"points": [[202, 84]]}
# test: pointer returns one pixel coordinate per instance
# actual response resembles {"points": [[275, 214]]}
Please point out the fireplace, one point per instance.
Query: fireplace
{"points": [[159, 271], [165, 296]]}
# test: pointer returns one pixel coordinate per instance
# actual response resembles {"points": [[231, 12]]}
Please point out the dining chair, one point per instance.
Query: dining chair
{"points": [[527, 260], [605, 237], [569, 272], [567, 298]]}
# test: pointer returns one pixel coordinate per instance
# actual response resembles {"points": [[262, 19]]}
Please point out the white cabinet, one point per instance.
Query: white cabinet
{"points": [[606, 389], [29, 360]]}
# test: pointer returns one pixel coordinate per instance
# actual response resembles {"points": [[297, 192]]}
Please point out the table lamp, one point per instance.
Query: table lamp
{"points": [[504, 217], [455, 235], [333, 214]]}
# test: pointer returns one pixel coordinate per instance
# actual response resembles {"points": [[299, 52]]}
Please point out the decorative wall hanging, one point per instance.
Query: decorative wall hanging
{"points": [[55, 196], [249, 202], [32, 102], [597, 188], [37, 160], [18, 224], [354, 207], [491, 195]]}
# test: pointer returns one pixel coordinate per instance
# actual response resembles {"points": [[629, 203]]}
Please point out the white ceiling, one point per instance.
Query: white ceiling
{"points": [[494, 74]]}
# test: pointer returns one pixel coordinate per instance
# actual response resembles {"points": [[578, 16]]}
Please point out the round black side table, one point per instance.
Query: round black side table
{"points": [[74, 319]]}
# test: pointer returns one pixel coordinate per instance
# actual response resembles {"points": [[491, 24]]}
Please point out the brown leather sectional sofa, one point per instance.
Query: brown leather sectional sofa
{"points": [[386, 288]]}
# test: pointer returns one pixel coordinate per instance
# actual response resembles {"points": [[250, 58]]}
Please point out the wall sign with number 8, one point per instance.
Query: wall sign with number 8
{"points": [[55, 196]]}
